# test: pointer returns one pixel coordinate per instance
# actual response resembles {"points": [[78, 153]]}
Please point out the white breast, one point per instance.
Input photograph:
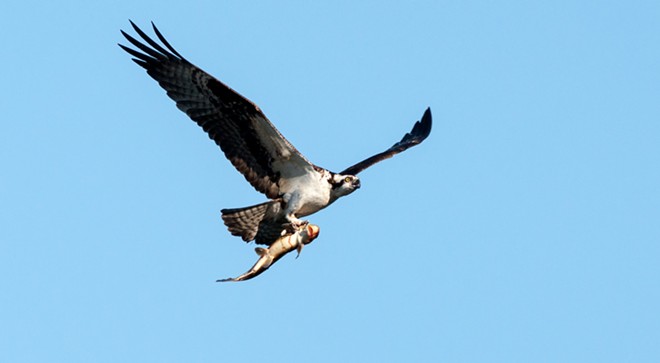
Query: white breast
{"points": [[307, 193]]}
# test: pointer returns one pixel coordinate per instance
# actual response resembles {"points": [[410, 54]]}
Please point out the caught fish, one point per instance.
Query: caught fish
{"points": [[282, 246]]}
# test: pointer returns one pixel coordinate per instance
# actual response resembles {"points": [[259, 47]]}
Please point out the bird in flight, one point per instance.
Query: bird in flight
{"points": [[269, 162]]}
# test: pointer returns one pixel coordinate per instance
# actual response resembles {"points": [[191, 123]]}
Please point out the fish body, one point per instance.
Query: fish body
{"points": [[283, 245]]}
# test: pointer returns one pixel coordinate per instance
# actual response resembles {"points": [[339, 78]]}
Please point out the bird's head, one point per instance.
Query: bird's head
{"points": [[343, 185]]}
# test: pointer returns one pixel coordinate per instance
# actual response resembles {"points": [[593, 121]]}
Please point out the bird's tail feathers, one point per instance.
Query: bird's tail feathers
{"points": [[246, 222]]}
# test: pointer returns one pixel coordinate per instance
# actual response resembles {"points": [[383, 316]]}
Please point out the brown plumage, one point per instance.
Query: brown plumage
{"points": [[267, 160]]}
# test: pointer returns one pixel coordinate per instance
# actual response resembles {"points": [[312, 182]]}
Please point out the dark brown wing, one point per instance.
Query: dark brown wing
{"points": [[248, 139], [420, 131]]}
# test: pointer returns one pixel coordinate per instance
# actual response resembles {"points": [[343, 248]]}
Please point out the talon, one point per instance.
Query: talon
{"points": [[299, 224], [294, 226]]}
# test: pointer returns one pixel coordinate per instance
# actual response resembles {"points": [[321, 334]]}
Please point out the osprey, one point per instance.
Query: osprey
{"points": [[295, 187]]}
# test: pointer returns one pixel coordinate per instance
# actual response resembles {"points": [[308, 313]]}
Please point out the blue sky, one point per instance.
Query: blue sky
{"points": [[525, 229]]}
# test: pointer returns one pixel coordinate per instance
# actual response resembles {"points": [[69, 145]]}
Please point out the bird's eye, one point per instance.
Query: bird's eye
{"points": [[347, 179]]}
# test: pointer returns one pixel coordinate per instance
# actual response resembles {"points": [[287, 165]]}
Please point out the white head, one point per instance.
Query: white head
{"points": [[343, 185]]}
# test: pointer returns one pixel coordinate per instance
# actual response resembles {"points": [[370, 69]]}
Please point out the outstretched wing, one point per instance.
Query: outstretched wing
{"points": [[420, 131], [248, 139]]}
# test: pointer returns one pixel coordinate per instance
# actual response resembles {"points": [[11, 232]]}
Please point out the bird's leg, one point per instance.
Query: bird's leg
{"points": [[293, 204], [294, 224], [298, 224]]}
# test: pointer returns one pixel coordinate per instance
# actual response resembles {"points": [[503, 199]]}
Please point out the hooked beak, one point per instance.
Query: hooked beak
{"points": [[356, 183]]}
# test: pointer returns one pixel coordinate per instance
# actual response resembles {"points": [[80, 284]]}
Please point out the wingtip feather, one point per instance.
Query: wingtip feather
{"points": [[423, 127]]}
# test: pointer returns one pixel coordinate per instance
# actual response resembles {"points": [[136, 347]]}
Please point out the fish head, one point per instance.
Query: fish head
{"points": [[310, 233]]}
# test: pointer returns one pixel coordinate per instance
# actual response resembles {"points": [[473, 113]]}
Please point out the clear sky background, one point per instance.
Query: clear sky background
{"points": [[525, 229]]}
